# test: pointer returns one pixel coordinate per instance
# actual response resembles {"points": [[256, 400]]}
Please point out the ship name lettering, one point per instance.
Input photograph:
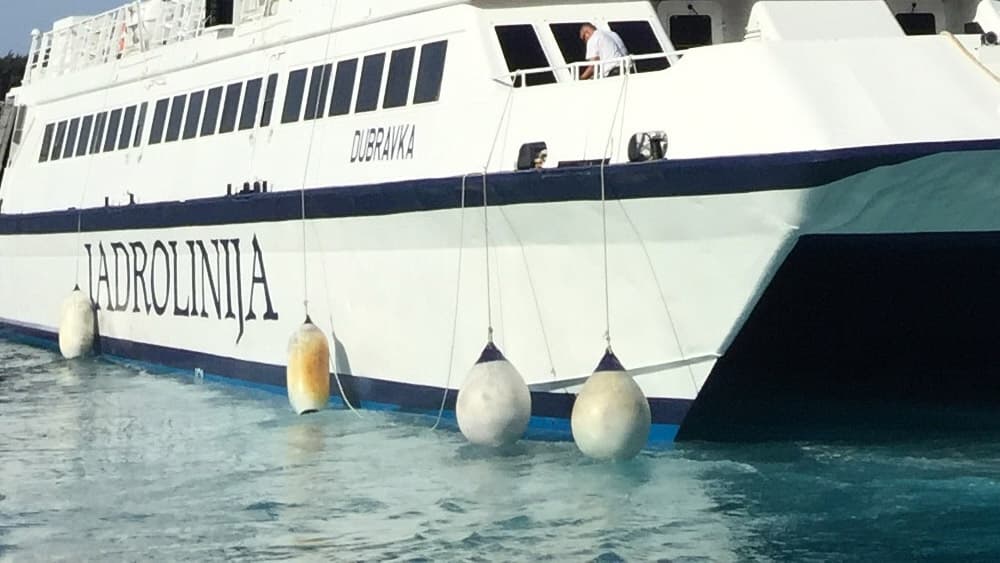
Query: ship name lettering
{"points": [[384, 143], [152, 279]]}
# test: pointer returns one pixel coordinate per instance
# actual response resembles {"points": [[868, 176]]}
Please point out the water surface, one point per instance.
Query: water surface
{"points": [[101, 461]]}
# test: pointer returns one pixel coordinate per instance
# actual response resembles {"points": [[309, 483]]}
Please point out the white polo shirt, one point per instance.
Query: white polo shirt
{"points": [[605, 45]]}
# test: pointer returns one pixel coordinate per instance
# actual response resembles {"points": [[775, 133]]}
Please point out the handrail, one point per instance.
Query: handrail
{"points": [[625, 65]]}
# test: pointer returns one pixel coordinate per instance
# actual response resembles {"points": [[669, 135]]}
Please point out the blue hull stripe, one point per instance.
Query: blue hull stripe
{"points": [[664, 178], [550, 411]]}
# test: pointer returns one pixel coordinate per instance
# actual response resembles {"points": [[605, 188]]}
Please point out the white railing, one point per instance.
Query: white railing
{"points": [[603, 69], [138, 26]]}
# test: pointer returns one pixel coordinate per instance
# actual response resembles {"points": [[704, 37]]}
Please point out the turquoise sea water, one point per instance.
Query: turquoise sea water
{"points": [[100, 461]]}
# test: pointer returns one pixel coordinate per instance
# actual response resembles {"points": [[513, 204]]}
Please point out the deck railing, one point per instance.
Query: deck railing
{"points": [[604, 69]]}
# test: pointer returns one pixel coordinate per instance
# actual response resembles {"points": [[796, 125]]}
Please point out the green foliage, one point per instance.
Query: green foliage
{"points": [[11, 72]]}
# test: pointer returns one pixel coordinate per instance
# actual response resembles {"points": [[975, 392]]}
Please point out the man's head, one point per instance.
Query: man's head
{"points": [[586, 30]]}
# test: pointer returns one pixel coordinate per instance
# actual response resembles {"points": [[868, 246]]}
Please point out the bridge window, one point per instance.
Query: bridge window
{"points": [[127, 122], [194, 115], [269, 94], [58, 144], [568, 38], [159, 116], [43, 156], [212, 103], [231, 107], [522, 51], [639, 39], [430, 72], [343, 87], [917, 23], [293, 96], [99, 123], [397, 85], [85, 128], [690, 30], [371, 83], [176, 118], [114, 122], [318, 86], [22, 112], [140, 125], [248, 115], [74, 129]]}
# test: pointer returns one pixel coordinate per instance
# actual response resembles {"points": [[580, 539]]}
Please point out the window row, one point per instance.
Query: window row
{"points": [[224, 109], [363, 90]]}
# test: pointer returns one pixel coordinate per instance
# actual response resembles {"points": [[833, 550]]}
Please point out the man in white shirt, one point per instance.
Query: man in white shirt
{"points": [[602, 46]]}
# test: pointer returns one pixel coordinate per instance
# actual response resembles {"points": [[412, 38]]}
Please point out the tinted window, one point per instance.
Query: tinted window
{"points": [[318, 86], [689, 30], [917, 23], [522, 51], [212, 104], [85, 127], [371, 82], [248, 115], [140, 125], [19, 125], [231, 107], [568, 38], [265, 112], [194, 115], [159, 117], [639, 39], [397, 85], [293, 96], [57, 145], [114, 122], [74, 128], [176, 118], [46, 142], [429, 73], [99, 122], [127, 122], [343, 87]]}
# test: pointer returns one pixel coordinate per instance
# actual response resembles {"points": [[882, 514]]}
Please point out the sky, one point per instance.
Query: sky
{"points": [[21, 16]]}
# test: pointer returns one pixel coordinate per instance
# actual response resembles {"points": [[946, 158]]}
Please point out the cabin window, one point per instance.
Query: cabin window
{"points": [[690, 30], [99, 122], [43, 156], [231, 107], [176, 118], [248, 115], [58, 143], [159, 117], [22, 112], [318, 86], [114, 122], [293, 96], [218, 12], [194, 115], [128, 120], [343, 87], [212, 104], [71, 133], [430, 72], [371, 83], [85, 128], [568, 38], [269, 94], [639, 39], [140, 125], [397, 85], [522, 51], [917, 23]]}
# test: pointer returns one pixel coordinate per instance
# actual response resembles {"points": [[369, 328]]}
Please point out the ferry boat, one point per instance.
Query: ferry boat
{"points": [[767, 206]]}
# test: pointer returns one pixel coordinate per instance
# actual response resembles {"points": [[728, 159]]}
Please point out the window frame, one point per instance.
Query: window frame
{"points": [[160, 111], [422, 95], [347, 83], [368, 99]]}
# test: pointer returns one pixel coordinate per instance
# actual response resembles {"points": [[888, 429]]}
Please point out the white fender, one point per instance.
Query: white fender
{"points": [[76, 325], [494, 404], [611, 418]]}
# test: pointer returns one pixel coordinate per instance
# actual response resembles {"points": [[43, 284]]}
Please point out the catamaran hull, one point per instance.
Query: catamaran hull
{"points": [[398, 274]]}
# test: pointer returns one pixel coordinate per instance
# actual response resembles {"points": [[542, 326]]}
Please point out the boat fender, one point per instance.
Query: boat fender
{"points": [[610, 418], [494, 404], [76, 325], [308, 372]]}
